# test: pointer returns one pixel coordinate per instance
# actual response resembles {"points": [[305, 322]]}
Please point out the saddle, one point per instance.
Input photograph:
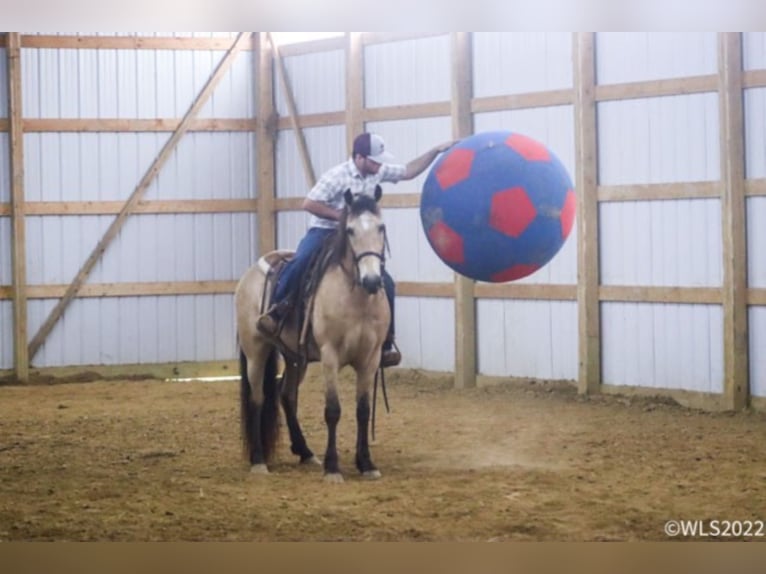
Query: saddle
{"points": [[294, 337]]}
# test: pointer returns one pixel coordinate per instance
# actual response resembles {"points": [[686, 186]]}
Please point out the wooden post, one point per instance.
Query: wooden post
{"points": [[588, 310], [462, 126], [354, 88], [265, 137], [136, 196], [733, 212], [308, 169], [18, 254]]}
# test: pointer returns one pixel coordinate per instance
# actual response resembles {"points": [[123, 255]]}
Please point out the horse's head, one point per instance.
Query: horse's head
{"points": [[365, 237]]}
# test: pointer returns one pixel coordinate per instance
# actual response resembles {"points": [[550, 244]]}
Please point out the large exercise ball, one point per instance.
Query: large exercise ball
{"points": [[497, 206]]}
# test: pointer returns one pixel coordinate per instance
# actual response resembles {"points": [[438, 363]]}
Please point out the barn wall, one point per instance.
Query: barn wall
{"points": [[754, 58], [647, 140], [6, 307], [660, 256], [75, 166]]}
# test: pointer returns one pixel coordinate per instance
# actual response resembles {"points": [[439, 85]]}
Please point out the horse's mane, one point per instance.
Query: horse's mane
{"points": [[336, 245]]}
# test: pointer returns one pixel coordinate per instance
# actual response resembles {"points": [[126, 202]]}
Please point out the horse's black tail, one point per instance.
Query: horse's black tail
{"points": [[267, 432]]}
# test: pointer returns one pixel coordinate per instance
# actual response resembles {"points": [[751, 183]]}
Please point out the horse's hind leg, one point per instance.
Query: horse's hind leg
{"points": [[292, 379], [363, 459], [259, 406]]}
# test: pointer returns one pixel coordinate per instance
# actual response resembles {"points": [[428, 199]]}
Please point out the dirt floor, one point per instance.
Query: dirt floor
{"points": [[151, 460]]}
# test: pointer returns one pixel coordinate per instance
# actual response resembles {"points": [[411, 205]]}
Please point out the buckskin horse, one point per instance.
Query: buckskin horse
{"points": [[346, 321]]}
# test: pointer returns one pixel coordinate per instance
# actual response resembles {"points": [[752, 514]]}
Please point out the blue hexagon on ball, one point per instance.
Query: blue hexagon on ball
{"points": [[497, 206]]}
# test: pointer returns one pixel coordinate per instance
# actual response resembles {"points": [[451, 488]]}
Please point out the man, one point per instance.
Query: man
{"points": [[369, 165]]}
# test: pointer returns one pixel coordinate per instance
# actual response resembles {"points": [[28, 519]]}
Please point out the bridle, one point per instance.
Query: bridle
{"points": [[380, 255]]}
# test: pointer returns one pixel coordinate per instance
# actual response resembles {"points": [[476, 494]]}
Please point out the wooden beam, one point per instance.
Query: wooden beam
{"points": [[136, 289], [265, 137], [660, 191], [586, 170], [406, 112], [657, 88], [462, 127], [650, 294], [21, 356], [155, 207], [127, 43], [522, 101], [417, 289], [529, 291], [755, 187], [137, 125], [303, 150], [754, 79], [756, 296], [3, 125], [313, 46], [159, 288], [733, 207], [135, 197], [314, 120], [181, 370], [386, 37], [354, 88]]}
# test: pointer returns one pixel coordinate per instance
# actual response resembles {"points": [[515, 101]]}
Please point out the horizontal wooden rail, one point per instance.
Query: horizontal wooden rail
{"points": [[144, 207], [127, 43]]}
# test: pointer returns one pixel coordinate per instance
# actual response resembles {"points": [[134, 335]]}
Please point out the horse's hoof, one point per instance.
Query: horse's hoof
{"points": [[259, 469], [312, 461], [371, 474], [333, 478]]}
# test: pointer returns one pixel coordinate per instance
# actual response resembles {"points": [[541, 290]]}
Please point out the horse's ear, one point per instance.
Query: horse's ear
{"points": [[349, 197], [378, 193]]}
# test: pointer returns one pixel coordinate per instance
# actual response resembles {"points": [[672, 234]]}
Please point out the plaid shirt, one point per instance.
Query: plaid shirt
{"points": [[334, 183]]}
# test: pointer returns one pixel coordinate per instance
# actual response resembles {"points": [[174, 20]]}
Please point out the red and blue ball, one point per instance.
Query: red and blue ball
{"points": [[497, 206]]}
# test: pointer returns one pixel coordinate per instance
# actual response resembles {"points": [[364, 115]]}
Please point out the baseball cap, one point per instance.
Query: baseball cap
{"points": [[372, 146]]}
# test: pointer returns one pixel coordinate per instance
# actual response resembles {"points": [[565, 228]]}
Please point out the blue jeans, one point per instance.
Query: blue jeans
{"points": [[294, 269]]}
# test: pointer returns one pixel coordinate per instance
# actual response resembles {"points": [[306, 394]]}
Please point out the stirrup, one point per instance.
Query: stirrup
{"points": [[392, 357]]}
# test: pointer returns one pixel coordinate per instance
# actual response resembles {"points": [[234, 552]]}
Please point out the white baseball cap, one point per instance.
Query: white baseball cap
{"points": [[373, 147]]}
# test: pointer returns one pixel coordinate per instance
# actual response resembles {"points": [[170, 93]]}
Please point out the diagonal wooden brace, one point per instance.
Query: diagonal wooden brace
{"points": [[135, 197]]}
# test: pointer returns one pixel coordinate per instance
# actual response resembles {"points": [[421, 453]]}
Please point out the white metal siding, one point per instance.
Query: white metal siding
{"points": [[521, 62], [757, 326], [407, 72], [637, 56], [659, 140], [756, 241], [108, 166], [317, 81], [754, 56], [661, 243], [520, 338], [131, 84], [5, 169], [755, 132], [128, 330], [291, 227], [139, 84], [662, 346], [3, 83], [754, 50], [6, 334], [425, 331], [326, 147], [165, 247]]}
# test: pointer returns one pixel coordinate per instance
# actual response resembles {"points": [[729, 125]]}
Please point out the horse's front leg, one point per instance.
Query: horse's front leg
{"points": [[331, 416], [364, 462]]}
